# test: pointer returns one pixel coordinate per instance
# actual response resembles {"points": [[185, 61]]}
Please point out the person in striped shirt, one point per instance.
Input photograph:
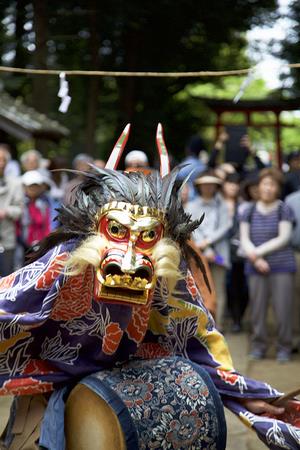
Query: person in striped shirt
{"points": [[265, 231]]}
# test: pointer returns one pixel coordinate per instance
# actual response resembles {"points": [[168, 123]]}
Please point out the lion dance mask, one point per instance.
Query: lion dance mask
{"points": [[136, 229]]}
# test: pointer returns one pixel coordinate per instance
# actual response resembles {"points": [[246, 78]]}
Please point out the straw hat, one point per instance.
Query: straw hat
{"points": [[208, 179]]}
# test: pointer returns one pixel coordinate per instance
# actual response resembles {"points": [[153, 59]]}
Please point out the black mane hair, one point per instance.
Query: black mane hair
{"points": [[101, 186]]}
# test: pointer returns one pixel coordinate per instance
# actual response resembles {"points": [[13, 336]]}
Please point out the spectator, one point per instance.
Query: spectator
{"points": [[59, 178], [249, 191], [211, 237], [292, 177], [12, 168], [136, 159], [184, 193], [223, 170], [81, 163], [35, 223], [31, 160], [53, 196], [293, 200], [194, 161], [216, 156], [99, 163], [245, 144], [236, 285], [11, 206], [260, 159], [265, 229]]}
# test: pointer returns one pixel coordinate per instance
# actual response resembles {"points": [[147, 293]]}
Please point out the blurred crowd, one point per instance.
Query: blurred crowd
{"points": [[30, 194], [250, 236]]}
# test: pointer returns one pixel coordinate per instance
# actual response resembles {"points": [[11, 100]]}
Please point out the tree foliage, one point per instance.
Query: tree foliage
{"points": [[185, 35], [289, 48]]}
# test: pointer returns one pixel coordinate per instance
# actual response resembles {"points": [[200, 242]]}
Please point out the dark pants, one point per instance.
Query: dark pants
{"points": [[7, 262], [277, 287], [237, 292]]}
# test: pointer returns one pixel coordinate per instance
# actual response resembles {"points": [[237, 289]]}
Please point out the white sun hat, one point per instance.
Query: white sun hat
{"points": [[32, 177]]}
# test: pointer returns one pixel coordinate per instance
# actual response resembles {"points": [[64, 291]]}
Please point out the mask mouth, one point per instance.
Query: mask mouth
{"points": [[114, 286]]}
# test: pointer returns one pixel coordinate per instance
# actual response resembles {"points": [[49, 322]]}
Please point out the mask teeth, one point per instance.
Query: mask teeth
{"points": [[117, 151], [126, 281], [163, 152]]}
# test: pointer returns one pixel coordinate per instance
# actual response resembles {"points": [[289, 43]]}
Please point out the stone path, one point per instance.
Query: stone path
{"points": [[5, 403], [284, 377]]}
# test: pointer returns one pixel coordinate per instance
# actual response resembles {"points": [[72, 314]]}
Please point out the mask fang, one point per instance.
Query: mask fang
{"points": [[163, 152], [117, 151]]}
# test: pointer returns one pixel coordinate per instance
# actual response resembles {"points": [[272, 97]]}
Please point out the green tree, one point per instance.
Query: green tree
{"points": [[289, 49], [133, 35]]}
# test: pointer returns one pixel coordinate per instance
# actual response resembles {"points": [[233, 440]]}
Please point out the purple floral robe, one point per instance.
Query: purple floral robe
{"points": [[53, 332]]}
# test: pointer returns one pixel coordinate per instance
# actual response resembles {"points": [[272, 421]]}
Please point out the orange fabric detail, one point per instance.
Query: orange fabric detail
{"points": [[191, 286], [151, 350], [46, 280], [209, 298], [228, 377], [7, 282], [112, 338], [138, 324], [25, 386], [75, 297], [38, 367]]}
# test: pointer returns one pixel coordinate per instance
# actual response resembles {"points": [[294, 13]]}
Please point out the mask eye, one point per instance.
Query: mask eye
{"points": [[148, 236], [116, 230]]}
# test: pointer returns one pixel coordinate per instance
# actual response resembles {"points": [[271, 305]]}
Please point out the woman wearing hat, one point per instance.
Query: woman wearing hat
{"points": [[35, 223], [211, 237]]}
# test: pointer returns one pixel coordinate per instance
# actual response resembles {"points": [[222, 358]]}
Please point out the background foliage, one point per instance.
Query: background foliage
{"points": [[133, 35]]}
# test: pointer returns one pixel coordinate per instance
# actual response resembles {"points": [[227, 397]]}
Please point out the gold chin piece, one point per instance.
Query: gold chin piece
{"points": [[121, 295], [124, 289], [134, 210]]}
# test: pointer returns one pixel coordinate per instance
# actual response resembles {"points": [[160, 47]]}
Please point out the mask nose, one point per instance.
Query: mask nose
{"points": [[129, 260]]}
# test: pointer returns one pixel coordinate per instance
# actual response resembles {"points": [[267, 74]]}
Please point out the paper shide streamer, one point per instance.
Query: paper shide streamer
{"points": [[63, 93]]}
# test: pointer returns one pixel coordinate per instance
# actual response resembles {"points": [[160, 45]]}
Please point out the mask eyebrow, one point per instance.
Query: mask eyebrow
{"points": [[134, 223], [122, 217], [145, 223]]}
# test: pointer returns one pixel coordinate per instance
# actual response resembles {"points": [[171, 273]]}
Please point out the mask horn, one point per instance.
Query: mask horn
{"points": [[163, 152], [113, 160]]}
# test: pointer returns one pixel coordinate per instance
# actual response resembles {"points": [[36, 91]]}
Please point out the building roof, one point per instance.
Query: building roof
{"points": [[24, 122], [267, 104]]}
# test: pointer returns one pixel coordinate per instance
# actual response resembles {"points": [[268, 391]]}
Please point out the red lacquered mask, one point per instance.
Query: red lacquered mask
{"points": [[126, 271]]}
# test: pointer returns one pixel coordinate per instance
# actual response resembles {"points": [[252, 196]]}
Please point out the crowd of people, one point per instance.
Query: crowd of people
{"points": [[250, 236], [30, 193]]}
